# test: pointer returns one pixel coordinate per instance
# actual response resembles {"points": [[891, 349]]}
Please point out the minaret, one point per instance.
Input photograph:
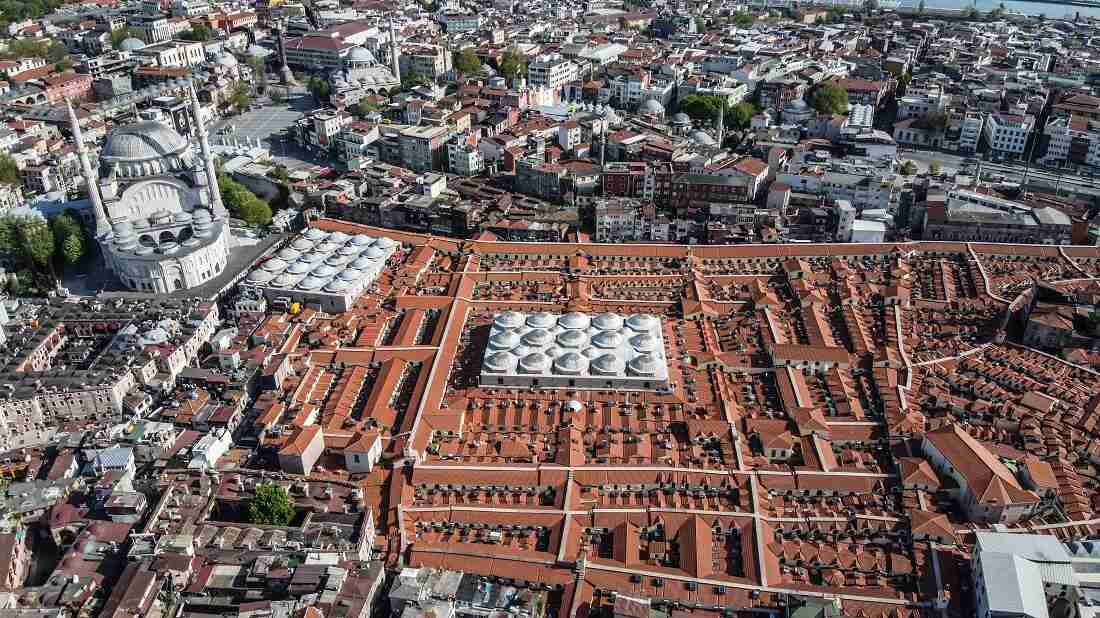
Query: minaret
{"points": [[721, 127], [395, 52], [208, 159], [91, 180]]}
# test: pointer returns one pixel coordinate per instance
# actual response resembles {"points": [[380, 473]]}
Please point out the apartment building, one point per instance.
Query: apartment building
{"points": [[422, 148], [1072, 140], [1007, 134], [552, 71]]}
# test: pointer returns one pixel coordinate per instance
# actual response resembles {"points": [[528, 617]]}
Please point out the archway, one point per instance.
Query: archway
{"points": [[177, 284], [166, 236], [184, 234], [147, 240]]}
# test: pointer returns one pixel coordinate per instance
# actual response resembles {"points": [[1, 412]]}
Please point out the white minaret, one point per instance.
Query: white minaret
{"points": [[91, 179], [208, 158], [395, 52]]}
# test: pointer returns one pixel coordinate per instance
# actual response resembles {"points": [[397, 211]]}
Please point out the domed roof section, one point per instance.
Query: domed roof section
{"points": [[570, 362], [608, 321], [131, 44], [508, 319], [361, 54], [227, 60], [607, 339], [681, 118], [606, 364], [538, 337], [797, 105], [535, 362], [573, 320], [499, 361], [702, 138], [572, 338], [142, 141], [504, 340], [541, 320], [641, 322], [652, 107], [644, 342], [643, 364]]}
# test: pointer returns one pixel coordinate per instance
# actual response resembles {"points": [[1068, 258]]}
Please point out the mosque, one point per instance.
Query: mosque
{"points": [[159, 218]]}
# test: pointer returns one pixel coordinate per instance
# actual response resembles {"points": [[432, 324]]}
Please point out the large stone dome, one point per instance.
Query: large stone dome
{"points": [[145, 149]]}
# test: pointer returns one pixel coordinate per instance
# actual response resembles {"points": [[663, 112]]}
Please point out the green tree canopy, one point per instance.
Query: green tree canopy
{"points": [[270, 506], [702, 107], [829, 98], [743, 19], [904, 80], [467, 62], [279, 173], [200, 32], [240, 96], [18, 10], [47, 49], [740, 116], [365, 106], [243, 203], [908, 168], [9, 170], [36, 241], [69, 235], [319, 88], [512, 64], [934, 168]]}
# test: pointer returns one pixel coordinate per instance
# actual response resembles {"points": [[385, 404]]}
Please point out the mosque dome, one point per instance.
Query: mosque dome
{"points": [[145, 149], [651, 107], [227, 60], [131, 44], [702, 138], [361, 55], [680, 118]]}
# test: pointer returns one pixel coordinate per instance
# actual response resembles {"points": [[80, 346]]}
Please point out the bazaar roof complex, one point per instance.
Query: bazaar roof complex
{"points": [[785, 454]]}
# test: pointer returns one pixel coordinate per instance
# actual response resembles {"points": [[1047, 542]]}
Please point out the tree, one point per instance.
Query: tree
{"points": [[467, 62], [73, 249], [740, 117], [37, 243], [829, 98], [279, 173], [319, 88], [413, 79], [908, 168], [743, 19], [934, 168], [9, 170], [700, 24], [365, 106], [936, 120], [270, 506], [511, 64], [199, 32], [240, 96], [242, 203], [702, 107], [920, 8]]}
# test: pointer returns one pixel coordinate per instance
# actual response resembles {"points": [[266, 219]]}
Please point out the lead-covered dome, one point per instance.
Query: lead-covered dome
{"points": [[145, 149]]}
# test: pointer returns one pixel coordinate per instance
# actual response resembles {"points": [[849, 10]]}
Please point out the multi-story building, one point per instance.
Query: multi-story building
{"points": [[422, 148], [916, 106], [616, 219], [316, 51], [459, 22], [428, 61], [1007, 134], [972, 216], [181, 54], [151, 28], [552, 71], [864, 183], [463, 157], [1072, 139]]}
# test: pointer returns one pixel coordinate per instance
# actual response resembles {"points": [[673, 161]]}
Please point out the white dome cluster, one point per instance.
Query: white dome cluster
{"points": [[575, 350], [320, 263]]}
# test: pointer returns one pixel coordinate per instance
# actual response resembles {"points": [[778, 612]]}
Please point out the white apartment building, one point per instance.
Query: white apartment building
{"points": [[1072, 139], [911, 106], [464, 159], [175, 54], [615, 220], [552, 71], [1007, 134]]}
